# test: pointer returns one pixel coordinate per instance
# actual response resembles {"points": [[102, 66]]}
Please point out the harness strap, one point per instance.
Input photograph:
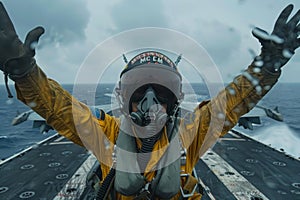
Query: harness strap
{"points": [[190, 185], [145, 193]]}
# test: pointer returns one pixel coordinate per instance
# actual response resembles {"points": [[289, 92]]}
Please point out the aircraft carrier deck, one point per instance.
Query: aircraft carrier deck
{"points": [[237, 167]]}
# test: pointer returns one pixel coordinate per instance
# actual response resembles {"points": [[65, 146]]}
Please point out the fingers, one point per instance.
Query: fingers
{"points": [[5, 22], [284, 15], [33, 37], [294, 20], [260, 34]]}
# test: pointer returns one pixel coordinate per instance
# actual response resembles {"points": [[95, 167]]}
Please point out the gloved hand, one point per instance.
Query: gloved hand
{"points": [[16, 58], [279, 47]]}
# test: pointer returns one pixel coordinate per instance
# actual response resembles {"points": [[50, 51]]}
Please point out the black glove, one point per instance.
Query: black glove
{"points": [[279, 47], [16, 58]]}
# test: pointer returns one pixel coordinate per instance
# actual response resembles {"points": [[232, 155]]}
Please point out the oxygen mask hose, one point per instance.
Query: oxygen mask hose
{"points": [[150, 117], [153, 132]]}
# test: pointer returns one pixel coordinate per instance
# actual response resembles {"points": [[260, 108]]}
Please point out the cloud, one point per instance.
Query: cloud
{"points": [[63, 45], [65, 21], [142, 13], [220, 40], [74, 28]]}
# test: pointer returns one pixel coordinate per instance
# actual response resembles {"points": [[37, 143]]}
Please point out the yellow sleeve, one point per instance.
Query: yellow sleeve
{"points": [[65, 114], [215, 118]]}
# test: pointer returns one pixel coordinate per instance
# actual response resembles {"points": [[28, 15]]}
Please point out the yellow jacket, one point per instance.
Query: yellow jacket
{"points": [[211, 119]]}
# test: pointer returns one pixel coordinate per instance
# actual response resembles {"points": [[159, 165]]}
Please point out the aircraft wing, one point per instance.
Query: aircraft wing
{"points": [[30, 115], [253, 117], [35, 116]]}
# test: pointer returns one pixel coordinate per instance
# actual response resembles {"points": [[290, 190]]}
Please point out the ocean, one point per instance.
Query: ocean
{"points": [[284, 136]]}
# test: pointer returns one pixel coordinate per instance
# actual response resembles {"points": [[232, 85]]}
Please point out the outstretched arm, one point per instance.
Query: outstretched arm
{"points": [[17, 61], [277, 49], [218, 116], [64, 113]]}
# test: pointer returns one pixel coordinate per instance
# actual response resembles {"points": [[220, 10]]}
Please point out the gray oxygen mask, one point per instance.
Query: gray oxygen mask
{"points": [[150, 112]]}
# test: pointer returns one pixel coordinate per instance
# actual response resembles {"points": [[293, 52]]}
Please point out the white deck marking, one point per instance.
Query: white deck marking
{"points": [[76, 185], [239, 186], [28, 149], [56, 143], [234, 135], [232, 139], [59, 139]]}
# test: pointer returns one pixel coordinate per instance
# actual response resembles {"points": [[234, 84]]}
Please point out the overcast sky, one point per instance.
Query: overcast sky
{"points": [[74, 28]]}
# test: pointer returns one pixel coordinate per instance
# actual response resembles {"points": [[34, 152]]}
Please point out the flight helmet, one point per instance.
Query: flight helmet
{"points": [[154, 70]]}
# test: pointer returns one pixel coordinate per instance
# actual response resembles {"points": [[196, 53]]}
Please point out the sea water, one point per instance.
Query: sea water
{"points": [[281, 135]]}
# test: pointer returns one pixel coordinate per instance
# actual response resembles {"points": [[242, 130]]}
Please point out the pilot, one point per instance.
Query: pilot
{"points": [[150, 150]]}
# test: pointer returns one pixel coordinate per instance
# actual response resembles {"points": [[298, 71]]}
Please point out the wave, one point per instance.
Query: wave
{"points": [[279, 136]]}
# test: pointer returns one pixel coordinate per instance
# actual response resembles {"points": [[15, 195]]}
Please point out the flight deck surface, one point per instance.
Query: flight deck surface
{"points": [[237, 167]]}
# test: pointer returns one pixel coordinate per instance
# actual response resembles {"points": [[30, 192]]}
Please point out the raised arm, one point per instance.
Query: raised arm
{"points": [[216, 117], [277, 49], [60, 109]]}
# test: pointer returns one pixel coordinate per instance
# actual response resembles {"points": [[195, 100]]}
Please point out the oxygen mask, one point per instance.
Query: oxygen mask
{"points": [[149, 106]]}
